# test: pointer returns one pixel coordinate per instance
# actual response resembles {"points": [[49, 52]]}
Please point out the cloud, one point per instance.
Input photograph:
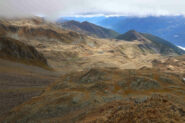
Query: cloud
{"points": [[52, 9], [182, 47]]}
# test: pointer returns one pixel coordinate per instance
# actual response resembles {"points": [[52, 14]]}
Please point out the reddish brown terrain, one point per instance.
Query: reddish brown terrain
{"points": [[107, 95], [50, 74]]}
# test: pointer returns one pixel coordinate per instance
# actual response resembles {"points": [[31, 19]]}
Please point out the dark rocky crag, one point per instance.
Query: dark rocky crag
{"points": [[15, 50]]}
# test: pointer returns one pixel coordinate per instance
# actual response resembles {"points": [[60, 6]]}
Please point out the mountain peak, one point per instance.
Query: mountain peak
{"points": [[73, 22], [131, 36], [132, 31], [86, 22], [90, 29]]}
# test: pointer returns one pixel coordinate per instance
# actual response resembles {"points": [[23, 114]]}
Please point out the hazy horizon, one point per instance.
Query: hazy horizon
{"points": [[54, 9]]}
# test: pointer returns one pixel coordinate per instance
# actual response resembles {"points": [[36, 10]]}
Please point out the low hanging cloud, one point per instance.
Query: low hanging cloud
{"points": [[52, 9]]}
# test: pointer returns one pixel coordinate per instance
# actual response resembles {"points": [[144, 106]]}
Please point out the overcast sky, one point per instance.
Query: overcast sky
{"points": [[53, 9]]}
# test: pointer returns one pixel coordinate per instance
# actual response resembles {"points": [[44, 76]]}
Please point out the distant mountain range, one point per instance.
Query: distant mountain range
{"points": [[89, 29], [171, 28], [151, 43]]}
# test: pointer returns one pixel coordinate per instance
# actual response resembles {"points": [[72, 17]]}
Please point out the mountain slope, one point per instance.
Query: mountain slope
{"points": [[101, 80], [20, 82], [152, 42], [15, 50], [145, 92], [163, 44], [172, 64], [89, 29], [171, 28], [26, 29], [70, 51]]}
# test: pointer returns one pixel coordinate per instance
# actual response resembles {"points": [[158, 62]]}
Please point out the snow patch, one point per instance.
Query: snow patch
{"points": [[182, 47]]}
